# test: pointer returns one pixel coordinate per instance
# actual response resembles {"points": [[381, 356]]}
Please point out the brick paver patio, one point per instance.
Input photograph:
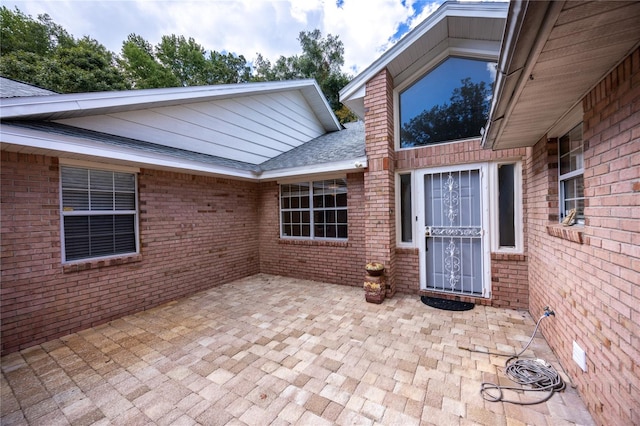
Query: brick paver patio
{"points": [[273, 350]]}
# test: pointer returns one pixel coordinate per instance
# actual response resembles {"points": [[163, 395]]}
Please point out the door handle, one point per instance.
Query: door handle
{"points": [[427, 231]]}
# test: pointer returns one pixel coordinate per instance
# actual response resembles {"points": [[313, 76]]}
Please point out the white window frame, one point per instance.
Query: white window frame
{"points": [[312, 236], [399, 242], [494, 217], [66, 213], [570, 175], [517, 211], [481, 54]]}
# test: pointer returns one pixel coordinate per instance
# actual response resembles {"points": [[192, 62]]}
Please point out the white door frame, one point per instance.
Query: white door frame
{"points": [[420, 228]]}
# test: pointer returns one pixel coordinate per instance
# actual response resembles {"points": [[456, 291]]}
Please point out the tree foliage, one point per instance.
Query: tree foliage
{"points": [[140, 66], [40, 52], [321, 59], [462, 118], [177, 61]]}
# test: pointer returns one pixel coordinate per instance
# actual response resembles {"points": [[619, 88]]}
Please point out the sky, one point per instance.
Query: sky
{"points": [[367, 28]]}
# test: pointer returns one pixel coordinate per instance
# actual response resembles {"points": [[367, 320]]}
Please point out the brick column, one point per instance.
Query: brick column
{"points": [[379, 180]]}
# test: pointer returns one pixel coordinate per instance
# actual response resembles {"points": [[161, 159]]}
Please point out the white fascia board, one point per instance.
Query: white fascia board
{"points": [[356, 102], [326, 115], [528, 26], [345, 166], [91, 149], [497, 10]]}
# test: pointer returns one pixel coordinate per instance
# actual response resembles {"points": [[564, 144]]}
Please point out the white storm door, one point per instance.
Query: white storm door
{"points": [[452, 231]]}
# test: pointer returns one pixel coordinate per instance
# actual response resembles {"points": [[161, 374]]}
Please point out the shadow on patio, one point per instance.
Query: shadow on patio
{"points": [[275, 350]]}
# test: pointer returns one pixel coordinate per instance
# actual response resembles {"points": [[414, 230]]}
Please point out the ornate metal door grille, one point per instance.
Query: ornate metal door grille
{"points": [[453, 232]]}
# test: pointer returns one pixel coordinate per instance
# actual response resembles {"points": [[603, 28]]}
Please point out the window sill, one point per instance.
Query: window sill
{"points": [[570, 233], [85, 265], [327, 243], [506, 256], [407, 250]]}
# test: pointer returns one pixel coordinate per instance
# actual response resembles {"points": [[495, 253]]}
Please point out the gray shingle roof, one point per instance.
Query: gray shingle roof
{"points": [[336, 146], [345, 144], [13, 89], [119, 141]]}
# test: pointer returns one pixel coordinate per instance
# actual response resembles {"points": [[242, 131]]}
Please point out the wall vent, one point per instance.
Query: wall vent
{"points": [[579, 356]]}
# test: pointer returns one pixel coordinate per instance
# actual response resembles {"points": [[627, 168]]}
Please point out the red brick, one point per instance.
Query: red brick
{"points": [[589, 285]]}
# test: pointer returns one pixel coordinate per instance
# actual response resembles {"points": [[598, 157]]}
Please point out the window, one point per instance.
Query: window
{"points": [[450, 102], [406, 215], [506, 182], [99, 214], [314, 209], [571, 173], [506, 205]]}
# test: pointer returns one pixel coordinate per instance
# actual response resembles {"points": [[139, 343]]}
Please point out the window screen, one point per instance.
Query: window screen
{"points": [[314, 209], [99, 213], [571, 173]]}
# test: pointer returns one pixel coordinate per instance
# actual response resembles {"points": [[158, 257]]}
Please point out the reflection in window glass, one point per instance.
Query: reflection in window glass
{"points": [[405, 208], [451, 102], [506, 205], [571, 180]]}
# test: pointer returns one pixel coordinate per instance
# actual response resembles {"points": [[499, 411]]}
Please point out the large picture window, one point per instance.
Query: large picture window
{"points": [[316, 210], [99, 214], [451, 102], [571, 174]]}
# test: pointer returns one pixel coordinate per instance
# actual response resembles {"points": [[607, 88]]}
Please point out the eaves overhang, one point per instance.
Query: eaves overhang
{"points": [[28, 141], [355, 165], [471, 29], [66, 142], [553, 53]]}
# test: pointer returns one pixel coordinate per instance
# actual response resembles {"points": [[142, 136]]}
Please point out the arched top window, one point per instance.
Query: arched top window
{"points": [[450, 102]]}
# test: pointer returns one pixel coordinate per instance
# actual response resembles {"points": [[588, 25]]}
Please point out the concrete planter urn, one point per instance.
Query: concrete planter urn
{"points": [[374, 269], [374, 283]]}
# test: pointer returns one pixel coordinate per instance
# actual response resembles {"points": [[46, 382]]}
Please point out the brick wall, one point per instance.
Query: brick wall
{"points": [[464, 152], [379, 179], [509, 281], [325, 261], [407, 270], [195, 232], [594, 286]]}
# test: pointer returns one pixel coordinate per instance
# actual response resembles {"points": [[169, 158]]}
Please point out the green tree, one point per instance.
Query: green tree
{"points": [[228, 68], [22, 33], [189, 63], [85, 66], [462, 118], [321, 59], [140, 66], [42, 53], [184, 58]]}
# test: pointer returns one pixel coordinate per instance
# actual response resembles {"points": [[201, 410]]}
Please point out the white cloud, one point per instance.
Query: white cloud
{"points": [[247, 27]]}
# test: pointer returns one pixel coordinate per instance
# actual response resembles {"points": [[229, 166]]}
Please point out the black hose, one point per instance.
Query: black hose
{"points": [[536, 374]]}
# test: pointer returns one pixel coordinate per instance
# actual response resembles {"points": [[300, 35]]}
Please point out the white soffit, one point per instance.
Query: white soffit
{"points": [[246, 122], [455, 29], [552, 56]]}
